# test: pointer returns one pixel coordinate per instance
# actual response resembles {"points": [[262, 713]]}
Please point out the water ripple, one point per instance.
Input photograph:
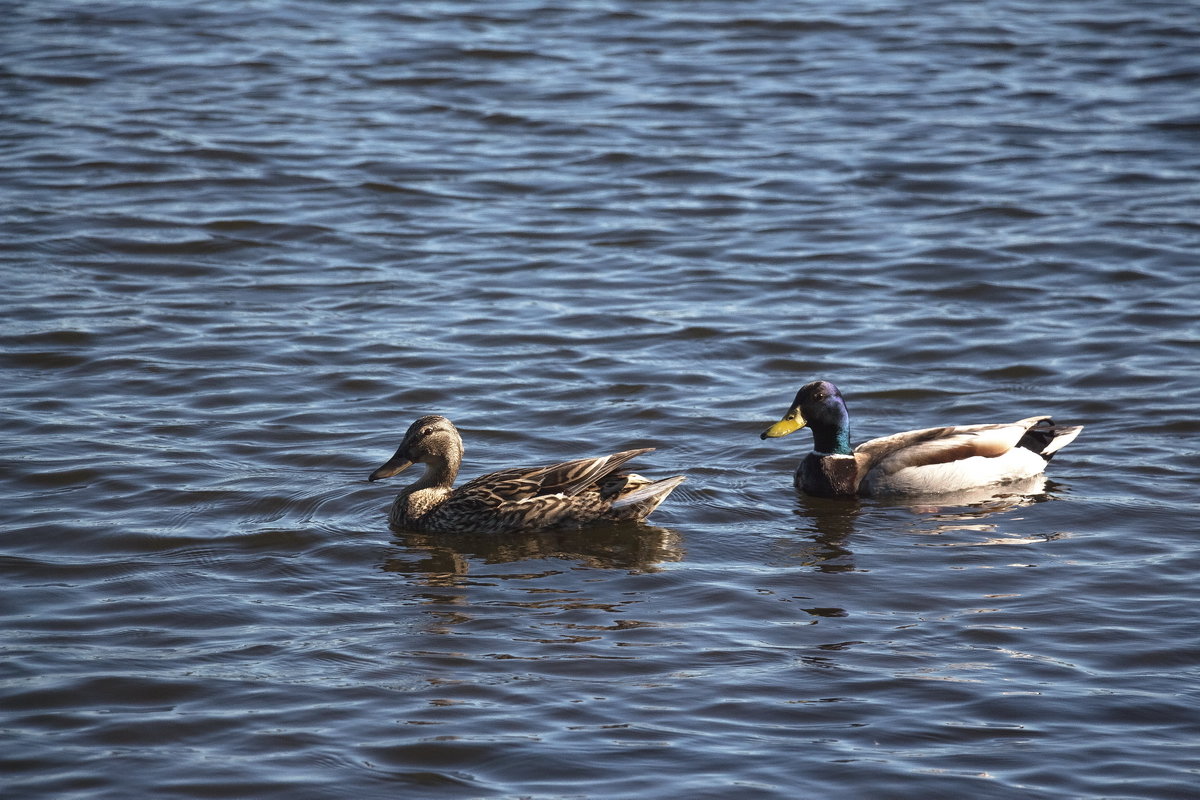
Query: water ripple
{"points": [[245, 249]]}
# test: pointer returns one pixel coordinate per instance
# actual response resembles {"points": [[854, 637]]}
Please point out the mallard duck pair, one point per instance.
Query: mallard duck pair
{"points": [[929, 461]]}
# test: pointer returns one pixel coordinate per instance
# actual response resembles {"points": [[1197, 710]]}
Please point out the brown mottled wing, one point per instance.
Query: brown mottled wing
{"points": [[568, 478], [938, 446], [483, 512]]}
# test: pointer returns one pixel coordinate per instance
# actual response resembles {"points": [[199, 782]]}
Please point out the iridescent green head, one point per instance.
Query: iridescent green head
{"points": [[820, 406]]}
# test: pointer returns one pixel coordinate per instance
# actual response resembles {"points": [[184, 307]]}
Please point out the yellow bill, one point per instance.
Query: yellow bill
{"points": [[789, 424]]}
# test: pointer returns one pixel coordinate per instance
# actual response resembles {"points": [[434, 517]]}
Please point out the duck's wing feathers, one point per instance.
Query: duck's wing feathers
{"points": [[920, 448], [568, 478]]}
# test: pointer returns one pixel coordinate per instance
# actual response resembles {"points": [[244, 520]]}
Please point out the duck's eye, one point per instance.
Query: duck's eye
{"points": [[426, 431]]}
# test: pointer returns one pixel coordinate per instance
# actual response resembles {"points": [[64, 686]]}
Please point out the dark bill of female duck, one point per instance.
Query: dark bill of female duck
{"points": [[393, 466]]}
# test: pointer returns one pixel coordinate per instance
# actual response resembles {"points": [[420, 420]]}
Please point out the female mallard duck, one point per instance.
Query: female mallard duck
{"points": [[929, 461], [519, 499]]}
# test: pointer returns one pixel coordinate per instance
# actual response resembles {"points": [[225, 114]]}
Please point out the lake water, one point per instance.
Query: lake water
{"points": [[246, 244]]}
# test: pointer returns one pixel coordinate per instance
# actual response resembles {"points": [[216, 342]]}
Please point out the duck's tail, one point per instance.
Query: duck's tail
{"points": [[644, 497], [1045, 438]]}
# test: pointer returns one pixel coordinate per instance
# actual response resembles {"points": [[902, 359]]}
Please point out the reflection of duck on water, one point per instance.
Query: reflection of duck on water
{"points": [[961, 519], [519, 499], [446, 558], [929, 461], [826, 538], [983, 501]]}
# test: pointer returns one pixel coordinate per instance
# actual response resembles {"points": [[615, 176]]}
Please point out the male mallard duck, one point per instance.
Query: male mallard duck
{"points": [[929, 461], [519, 499]]}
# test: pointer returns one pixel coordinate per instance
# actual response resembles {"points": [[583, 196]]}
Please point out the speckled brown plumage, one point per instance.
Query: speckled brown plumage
{"points": [[523, 498]]}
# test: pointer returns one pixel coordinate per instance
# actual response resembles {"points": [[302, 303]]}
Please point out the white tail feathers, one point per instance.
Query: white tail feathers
{"points": [[1062, 438], [646, 498]]}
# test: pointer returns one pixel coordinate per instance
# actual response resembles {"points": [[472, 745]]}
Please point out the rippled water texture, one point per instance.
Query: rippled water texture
{"points": [[245, 244]]}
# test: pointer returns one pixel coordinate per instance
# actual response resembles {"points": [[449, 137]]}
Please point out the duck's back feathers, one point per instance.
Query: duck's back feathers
{"points": [[950, 459], [568, 478], [954, 476], [941, 445], [571, 493]]}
